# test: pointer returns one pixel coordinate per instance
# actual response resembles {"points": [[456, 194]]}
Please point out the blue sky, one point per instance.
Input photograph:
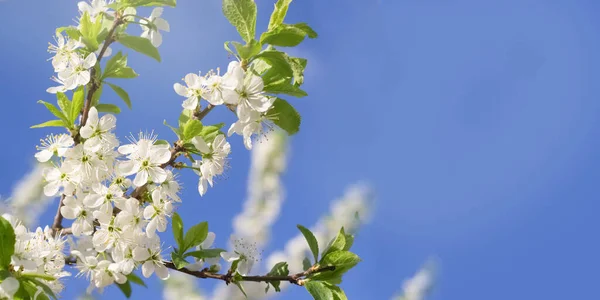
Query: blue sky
{"points": [[476, 122]]}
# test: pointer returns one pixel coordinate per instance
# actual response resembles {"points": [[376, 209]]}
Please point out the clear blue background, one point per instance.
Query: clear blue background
{"points": [[475, 121]]}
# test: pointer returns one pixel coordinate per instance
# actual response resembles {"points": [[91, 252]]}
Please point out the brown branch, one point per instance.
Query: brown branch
{"points": [[296, 279], [94, 86]]}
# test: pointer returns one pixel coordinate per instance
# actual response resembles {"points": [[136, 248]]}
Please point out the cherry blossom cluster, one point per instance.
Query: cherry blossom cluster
{"points": [[236, 89], [73, 63], [94, 177], [38, 252]]}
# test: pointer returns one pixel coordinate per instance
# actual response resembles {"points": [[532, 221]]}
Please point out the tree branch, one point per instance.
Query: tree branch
{"points": [[296, 279], [94, 86]]}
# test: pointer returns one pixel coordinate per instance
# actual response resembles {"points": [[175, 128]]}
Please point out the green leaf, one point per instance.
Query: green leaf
{"points": [[241, 287], [117, 67], [191, 129], [65, 105], [205, 253], [247, 51], [285, 116], [309, 31], [279, 269], [284, 86], [178, 260], [195, 235], [175, 130], [51, 123], [318, 290], [56, 112], [242, 15], [349, 242], [161, 142], [136, 279], [298, 65], [338, 293], [125, 288], [278, 15], [7, 243], [97, 95], [122, 93], [342, 260], [283, 35], [136, 3], [89, 31], [140, 44], [209, 133], [311, 240], [37, 275], [306, 264], [77, 104], [108, 108], [47, 290], [177, 227], [72, 32], [337, 244], [185, 116], [278, 60]]}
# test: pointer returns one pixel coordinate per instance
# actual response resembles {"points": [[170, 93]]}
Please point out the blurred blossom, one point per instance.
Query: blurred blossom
{"points": [[27, 201], [181, 286], [417, 287]]}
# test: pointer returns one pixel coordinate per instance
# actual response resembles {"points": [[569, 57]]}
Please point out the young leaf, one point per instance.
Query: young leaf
{"points": [[65, 106], [97, 95], [309, 31], [125, 288], [136, 279], [349, 242], [117, 67], [76, 104], [71, 31], [175, 130], [318, 290], [89, 31], [284, 86], [51, 123], [209, 133], [279, 62], [241, 287], [178, 260], [311, 240], [191, 129], [337, 244], [47, 290], [108, 108], [56, 112], [306, 264], [283, 35], [248, 50], [140, 44], [205, 253], [285, 116], [178, 229], [122, 93], [242, 15], [278, 15], [338, 293], [279, 269], [196, 235], [342, 260], [7, 243], [136, 3], [37, 275]]}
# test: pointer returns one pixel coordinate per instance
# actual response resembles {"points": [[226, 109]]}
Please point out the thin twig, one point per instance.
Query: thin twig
{"points": [[296, 279]]}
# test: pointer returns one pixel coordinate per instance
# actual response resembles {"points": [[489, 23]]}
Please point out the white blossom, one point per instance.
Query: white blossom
{"points": [[214, 157], [54, 144], [152, 25], [97, 131], [193, 90], [145, 160]]}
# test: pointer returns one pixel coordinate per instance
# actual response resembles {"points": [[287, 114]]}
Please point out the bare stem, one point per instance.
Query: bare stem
{"points": [[296, 279]]}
